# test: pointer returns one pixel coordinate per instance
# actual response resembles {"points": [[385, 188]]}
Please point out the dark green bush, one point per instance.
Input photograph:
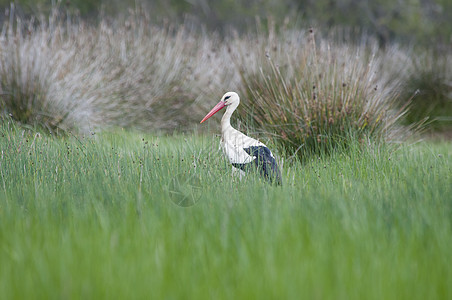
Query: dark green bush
{"points": [[429, 83]]}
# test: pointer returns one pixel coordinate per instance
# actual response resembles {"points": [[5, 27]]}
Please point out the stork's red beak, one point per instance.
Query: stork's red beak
{"points": [[214, 110]]}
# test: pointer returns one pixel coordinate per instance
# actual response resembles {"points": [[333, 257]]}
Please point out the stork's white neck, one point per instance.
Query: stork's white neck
{"points": [[226, 120]]}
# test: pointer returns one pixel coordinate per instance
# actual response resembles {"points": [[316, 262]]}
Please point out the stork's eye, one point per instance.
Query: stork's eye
{"points": [[226, 98]]}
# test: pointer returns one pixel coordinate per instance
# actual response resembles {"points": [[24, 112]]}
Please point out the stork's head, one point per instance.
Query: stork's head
{"points": [[230, 100]]}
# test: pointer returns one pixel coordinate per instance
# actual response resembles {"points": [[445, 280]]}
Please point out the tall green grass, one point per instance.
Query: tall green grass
{"points": [[104, 217]]}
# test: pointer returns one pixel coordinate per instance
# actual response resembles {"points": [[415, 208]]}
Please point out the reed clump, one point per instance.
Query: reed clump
{"points": [[313, 96], [78, 77]]}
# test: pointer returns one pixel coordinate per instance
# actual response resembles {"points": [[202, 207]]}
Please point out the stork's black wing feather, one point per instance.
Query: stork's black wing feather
{"points": [[264, 162]]}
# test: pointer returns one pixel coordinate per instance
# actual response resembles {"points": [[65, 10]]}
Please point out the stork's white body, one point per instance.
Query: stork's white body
{"points": [[233, 143], [241, 150]]}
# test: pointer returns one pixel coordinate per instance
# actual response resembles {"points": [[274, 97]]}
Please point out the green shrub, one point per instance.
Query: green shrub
{"points": [[430, 78]]}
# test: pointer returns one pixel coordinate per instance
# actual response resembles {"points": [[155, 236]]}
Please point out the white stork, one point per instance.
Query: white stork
{"points": [[243, 152]]}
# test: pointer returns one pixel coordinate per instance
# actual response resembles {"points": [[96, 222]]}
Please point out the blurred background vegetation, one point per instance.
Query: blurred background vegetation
{"points": [[422, 22], [134, 79]]}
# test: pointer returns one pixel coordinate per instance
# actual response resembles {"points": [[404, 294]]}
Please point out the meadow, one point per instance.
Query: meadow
{"points": [[110, 188], [120, 215]]}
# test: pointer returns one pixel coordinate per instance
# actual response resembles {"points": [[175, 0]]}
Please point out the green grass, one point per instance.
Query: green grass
{"points": [[97, 218]]}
